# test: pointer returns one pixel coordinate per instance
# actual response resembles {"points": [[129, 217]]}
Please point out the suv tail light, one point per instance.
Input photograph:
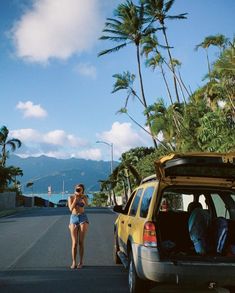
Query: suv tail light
{"points": [[150, 237]]}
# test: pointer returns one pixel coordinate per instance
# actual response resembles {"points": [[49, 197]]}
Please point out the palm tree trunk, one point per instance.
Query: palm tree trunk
{"points": [[208, 64], [142, 93], [172, 66], [124, 189], [167, 86], [178, 79], [110, 198], [132, 119], [182, 82], [4, 155], [127, 175], [114, 197], [182, 90]]}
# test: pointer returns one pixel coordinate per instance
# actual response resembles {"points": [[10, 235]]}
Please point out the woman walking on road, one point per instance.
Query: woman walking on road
{"points": [[78, 223]]}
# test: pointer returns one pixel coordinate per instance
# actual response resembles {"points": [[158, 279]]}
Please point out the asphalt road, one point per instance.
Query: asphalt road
{"points": [[35, 254]]}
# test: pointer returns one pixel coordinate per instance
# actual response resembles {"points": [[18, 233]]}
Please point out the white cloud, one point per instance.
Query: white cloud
{"points": [[61, 138], [30, 110], [91, 154], [57, 29], [124, 137], [55, 137], [86, 69], [56, 143], [26, 135], [59, 144]]}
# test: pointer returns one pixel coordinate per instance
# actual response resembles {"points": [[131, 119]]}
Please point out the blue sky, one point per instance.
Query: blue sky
{"points": [[56, 94]]}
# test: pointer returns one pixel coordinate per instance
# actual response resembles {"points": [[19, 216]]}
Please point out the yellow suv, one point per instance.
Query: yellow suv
{"points": [[178, 226]]}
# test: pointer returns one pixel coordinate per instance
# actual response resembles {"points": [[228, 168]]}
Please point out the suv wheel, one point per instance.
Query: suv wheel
{"points": [[136, 285], [116, 258]]}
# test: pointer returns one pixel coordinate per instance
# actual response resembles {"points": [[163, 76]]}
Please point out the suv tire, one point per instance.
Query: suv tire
{"points": [[136, 285], [116, 258]]}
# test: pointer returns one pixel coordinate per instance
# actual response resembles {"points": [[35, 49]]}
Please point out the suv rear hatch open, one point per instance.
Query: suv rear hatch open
{"points": [[207, 179], [211, 165], [211, 169]]}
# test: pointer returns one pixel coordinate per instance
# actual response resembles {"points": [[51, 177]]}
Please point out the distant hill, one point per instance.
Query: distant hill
{"points": [[46, 171]]}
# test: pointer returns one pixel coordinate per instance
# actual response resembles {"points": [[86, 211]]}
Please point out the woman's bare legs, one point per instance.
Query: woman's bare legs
{"points": [[74, 236], [82, 233]]}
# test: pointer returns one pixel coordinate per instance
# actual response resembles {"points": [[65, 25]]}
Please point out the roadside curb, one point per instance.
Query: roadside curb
{"points": [[10, 212]]}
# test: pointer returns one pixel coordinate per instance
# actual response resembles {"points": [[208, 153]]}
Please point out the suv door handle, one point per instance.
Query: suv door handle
{"points": [[129, 225]]}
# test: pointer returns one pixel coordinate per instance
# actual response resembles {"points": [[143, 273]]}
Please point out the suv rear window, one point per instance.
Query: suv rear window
{"points": [[146, 199]]}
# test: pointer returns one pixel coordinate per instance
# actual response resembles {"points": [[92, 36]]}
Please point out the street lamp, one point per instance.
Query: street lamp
{"points": [[111, 166], [111, 147]]}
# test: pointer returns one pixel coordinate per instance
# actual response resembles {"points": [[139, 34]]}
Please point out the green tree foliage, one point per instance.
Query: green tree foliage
{"points": [[218, 41], [203, 120], [9, 174], [146, 166], [224, 74], [12, 143], [99, 199], [216, 132]]}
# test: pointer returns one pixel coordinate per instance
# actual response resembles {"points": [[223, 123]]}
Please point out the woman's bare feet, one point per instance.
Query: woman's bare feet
{"points": [[79, 266], [73, 266]]}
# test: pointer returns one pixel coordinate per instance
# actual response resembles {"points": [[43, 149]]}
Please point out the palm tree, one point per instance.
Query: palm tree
{"points": [[128, 28], [223, 69], [5, 142], [162, 123], [177, 64], [30, 185], [124, 111], [8, 175], [125, 81], [150, 45], [218, 41], [105, 186], [158, 11]]}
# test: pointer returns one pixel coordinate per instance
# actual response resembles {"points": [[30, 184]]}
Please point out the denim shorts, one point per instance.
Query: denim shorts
{"points": [[78, 219]]}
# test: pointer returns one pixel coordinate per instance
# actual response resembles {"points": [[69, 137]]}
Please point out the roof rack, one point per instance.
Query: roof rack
{"points": [[149, 178]]}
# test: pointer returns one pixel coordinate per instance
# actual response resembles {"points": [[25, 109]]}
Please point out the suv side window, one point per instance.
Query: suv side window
{"points": [[128, 203], [220, 207], [146, 199], [135, 202]]}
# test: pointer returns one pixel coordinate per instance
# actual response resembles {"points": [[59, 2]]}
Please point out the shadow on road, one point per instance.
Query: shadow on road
{"points": [[89, 279], [7, 221], [48, 211]]}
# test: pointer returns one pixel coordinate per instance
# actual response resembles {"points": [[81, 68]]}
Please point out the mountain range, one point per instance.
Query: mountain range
{"points": [[60, 174]]}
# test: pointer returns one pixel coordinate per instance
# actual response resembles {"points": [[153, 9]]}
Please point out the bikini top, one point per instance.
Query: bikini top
{"points": [[80, 203]]}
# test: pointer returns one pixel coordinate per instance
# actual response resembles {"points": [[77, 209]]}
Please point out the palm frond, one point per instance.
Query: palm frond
{"points": [[179, 16], [116, 32], [118, 22], [122, 111], [168, 5], [115, 39], [115, 49]]}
